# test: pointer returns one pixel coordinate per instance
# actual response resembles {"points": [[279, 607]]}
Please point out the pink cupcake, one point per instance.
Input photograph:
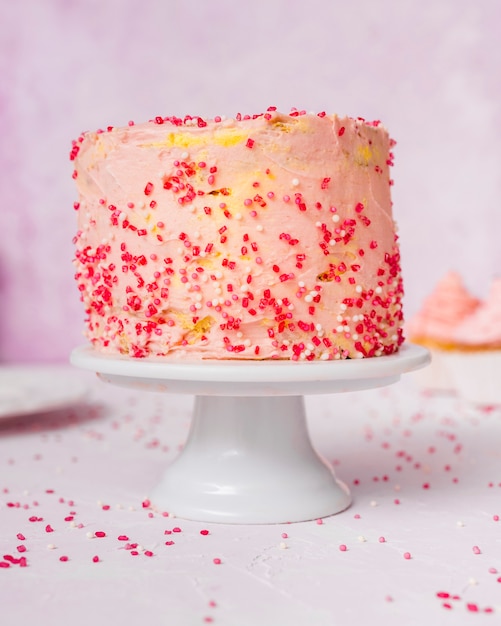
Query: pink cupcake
{"points": [[434, 327], [475, 370]]}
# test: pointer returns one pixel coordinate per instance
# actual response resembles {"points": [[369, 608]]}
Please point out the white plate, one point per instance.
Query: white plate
{"points": [[27, 390]]}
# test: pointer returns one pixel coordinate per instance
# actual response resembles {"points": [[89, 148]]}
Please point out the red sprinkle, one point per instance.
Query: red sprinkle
{"points": [[63, 558], [95, 559], [343, 547], [204, 532], [100, 533], [216, 561], [407, 555]]}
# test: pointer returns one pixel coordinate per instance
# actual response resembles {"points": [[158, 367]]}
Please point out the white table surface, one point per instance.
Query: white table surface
{"points": [[424, 471]]}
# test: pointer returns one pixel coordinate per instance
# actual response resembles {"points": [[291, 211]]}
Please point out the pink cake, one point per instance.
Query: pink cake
{"points": [[261, 237]]}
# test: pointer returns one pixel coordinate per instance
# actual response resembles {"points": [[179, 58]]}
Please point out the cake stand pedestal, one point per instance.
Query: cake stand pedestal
{"points": [[248, 458]]}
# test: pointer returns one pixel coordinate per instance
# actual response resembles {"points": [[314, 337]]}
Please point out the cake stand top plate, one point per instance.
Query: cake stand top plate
{"points": [[251, 378]]}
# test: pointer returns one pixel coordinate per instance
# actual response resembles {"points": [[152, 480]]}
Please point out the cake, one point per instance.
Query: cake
{"points": [[261, 237]]}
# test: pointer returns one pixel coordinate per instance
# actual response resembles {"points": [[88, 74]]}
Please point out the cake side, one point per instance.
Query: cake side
{"points": [[267, 237]]}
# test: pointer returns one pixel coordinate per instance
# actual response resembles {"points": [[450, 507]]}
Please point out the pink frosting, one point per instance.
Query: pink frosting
{"points": [[483, 327], [268, 237], [442, 311]]}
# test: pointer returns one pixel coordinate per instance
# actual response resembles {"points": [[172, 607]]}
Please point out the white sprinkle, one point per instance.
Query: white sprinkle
{"points": [[260, 227], [51, 546], [301, 283], [335, 218], [90, 535], [362, 539], [282, 545], [185, 155], [460, 523], [378, 289], [358, 289], [295, 182], [373, 503], [238, 216]]}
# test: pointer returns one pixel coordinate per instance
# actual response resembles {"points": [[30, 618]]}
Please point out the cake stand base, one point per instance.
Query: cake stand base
{"points": [[248, 458]]}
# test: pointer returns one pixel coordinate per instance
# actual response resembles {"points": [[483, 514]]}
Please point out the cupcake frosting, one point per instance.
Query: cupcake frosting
{"points": [[483, 327], [443, 311]]}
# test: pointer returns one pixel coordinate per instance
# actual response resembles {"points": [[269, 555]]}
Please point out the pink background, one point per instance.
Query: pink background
{"points": [[429, 70]]}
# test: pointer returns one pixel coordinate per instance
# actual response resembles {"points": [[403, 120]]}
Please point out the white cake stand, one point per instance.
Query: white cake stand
{"points": [[248, 458]]}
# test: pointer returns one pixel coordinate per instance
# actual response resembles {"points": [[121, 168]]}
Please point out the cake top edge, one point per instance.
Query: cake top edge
{"points": [[270, 115]]}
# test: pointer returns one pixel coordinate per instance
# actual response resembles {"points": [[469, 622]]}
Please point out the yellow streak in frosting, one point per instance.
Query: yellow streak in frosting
{"points": [[222, 137], [363, 155]]}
